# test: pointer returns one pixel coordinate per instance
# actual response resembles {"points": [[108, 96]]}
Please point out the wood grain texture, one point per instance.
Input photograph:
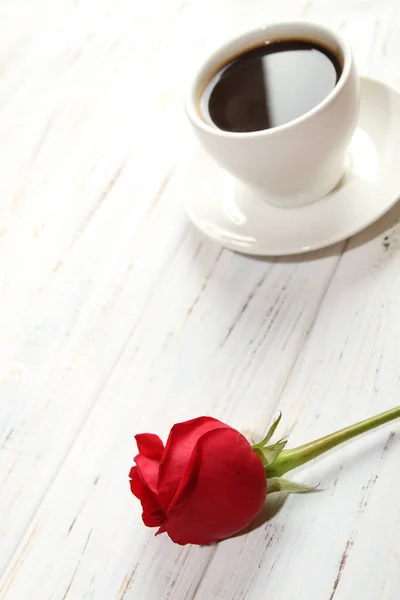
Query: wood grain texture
{"points": [[118, 317]]}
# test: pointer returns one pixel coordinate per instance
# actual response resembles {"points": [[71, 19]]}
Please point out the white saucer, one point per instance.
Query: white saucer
{"points": [[224, 210]]}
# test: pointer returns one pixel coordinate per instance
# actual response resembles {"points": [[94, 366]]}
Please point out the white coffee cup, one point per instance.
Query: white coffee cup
{"points": [[300, 161]]}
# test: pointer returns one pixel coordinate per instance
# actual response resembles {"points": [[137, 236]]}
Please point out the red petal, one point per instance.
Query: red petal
{"points": [[223, 493], [149, 471], [161, 530], [152, 515], [181, 442], [150, 445]]}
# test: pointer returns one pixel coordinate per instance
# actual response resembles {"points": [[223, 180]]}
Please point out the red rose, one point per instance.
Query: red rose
{"points": [[208, 483], [205, 485]]}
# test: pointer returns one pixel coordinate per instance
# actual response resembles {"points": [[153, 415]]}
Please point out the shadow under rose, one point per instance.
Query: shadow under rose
{"points": [[272, 506]]}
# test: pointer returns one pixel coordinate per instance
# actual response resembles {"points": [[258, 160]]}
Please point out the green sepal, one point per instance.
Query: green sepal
{"points": [[268, 454], [277, 484], [270, 433]]}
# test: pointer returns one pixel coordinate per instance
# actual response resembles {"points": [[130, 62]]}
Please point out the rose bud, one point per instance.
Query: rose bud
{"points": [[206, 484]]}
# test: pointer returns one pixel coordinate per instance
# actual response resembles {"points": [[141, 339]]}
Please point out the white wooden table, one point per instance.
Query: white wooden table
{"points": [[118, 317]]}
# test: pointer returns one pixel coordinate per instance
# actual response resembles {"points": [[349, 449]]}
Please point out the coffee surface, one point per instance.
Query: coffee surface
{"points": [[270, 85]]}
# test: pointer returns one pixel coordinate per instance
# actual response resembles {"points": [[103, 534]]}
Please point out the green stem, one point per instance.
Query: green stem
{"points": [[291, 459]]}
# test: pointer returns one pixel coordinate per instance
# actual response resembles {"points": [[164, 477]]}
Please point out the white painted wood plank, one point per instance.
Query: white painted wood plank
{"points": [[60, 276], [121, 318]]}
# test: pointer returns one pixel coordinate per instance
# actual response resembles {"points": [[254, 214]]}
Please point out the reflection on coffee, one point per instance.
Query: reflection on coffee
{"points": [[270, 85]]}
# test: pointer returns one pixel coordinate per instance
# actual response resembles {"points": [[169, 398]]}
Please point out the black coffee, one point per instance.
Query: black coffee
{"points": [[270, 85]]}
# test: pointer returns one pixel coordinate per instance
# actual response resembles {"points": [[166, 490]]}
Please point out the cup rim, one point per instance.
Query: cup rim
{"points": [[192, 94]]}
